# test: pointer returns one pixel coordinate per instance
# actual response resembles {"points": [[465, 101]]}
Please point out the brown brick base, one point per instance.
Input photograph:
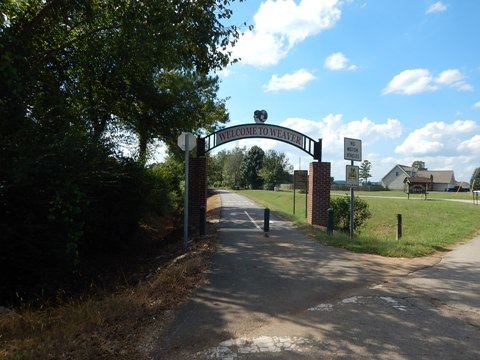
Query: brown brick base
{"points": [[197, 191], [318, 193]]}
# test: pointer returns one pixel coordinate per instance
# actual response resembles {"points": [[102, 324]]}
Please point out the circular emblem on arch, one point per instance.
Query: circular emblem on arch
{"points": [[260, 116]]}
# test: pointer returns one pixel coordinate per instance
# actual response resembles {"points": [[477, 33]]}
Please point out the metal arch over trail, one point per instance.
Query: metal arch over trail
{"points": [[319, 174], [275, 132]]}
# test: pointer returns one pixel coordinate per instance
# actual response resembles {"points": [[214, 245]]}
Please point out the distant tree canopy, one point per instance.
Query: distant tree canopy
{"points": [[475, 180], [419, 164], [75, 77], [253, 168], [275, 169], [251, 165], [232, 173]]}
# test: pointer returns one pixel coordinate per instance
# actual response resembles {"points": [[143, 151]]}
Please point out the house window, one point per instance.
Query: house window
{"points": [[397, 173]]}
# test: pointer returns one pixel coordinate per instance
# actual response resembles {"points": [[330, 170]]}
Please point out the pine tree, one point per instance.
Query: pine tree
{"points": [[365, 168]]}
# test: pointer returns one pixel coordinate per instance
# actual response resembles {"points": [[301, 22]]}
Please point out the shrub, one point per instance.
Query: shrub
{"points": [[62, 199], [165, 188], [268, 186], [341, 213]]}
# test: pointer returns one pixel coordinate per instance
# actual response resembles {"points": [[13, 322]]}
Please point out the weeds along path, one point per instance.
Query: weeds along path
{"points": [[122, 323]]}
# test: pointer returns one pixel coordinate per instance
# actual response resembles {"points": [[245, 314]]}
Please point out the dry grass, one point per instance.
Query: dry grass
{"points": [[214, 206], [120, 325]]}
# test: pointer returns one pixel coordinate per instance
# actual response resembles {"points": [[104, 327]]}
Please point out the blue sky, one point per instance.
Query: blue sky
{"points": [[401, 75]]}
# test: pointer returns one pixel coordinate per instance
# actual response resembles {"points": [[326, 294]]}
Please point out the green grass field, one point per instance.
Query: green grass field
{"points": [[401, 194], [429, 225]]}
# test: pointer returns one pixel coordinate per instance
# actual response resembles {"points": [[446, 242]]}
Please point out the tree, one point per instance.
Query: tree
{"points": [[185, 99], [87, 60], [232, 176], [475, 180], [250, 167], [274, 170], [364, 172], [419, 164], [215, 168], [165, 189], [72, 73]]}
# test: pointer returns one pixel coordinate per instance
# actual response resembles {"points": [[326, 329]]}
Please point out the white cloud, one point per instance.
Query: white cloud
{"points": [[477, 105], [465, 126], [410, 82], [453, 78], [436, 138], [293, 81], [332, 129], [338, 61], [260, 49], [448, 77], [472, 144], [416, 81], [296, 21], [280, 24], [437, 7], [372, 132]]}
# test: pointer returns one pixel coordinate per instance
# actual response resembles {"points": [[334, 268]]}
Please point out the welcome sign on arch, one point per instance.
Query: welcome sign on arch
{"points": [[274, 132]]}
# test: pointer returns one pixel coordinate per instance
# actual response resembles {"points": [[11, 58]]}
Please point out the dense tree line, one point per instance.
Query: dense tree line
{"points": [[76, 77], [253, 168], [475, 180]]}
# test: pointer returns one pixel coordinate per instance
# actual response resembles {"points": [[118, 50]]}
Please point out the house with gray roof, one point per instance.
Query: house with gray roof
{"points": [[395, 178]]}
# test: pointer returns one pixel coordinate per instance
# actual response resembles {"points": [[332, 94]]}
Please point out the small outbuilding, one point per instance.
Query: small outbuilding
{"points": [[418, 185]]}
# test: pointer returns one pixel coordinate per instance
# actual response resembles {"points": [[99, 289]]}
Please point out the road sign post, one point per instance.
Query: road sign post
{"points": [[352, 175], [353, 152], [352, 149], [186, 142]]}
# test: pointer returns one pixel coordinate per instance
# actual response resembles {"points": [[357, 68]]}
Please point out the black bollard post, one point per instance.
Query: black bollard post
{"points": [[329, 221], [399, 226], [266, 221], [201, 225]]}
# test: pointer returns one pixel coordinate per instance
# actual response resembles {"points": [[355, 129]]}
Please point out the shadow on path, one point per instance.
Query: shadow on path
{"points": [[285, 289]]}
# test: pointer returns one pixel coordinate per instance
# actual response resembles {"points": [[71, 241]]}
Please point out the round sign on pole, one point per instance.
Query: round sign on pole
{"points": [[192, 141]]}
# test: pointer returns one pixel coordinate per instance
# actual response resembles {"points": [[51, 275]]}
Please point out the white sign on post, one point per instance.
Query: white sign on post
{"points": [[352, 175], [187, 142], [182, 139], [352, 149]]}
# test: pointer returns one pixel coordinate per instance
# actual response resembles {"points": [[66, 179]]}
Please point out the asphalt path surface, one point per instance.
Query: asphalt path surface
{"points": [[287, 297]]}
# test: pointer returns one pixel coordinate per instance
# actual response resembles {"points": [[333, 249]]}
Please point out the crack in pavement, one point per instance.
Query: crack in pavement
{"points": [[392, 301], [230, 349]]}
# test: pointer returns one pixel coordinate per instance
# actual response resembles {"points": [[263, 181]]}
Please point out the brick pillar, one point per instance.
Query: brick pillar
{"points": [[197, 190], [318, 193]]}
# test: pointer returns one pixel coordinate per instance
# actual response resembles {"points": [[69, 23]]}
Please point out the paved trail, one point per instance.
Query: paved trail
{"points": [[288, 297]]}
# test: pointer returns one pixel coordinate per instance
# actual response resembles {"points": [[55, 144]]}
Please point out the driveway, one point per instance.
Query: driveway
{"points": [[288, 297]]}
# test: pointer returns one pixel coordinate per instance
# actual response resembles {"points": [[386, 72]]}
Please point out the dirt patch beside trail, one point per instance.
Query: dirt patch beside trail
{"points": [[214, 207]]}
